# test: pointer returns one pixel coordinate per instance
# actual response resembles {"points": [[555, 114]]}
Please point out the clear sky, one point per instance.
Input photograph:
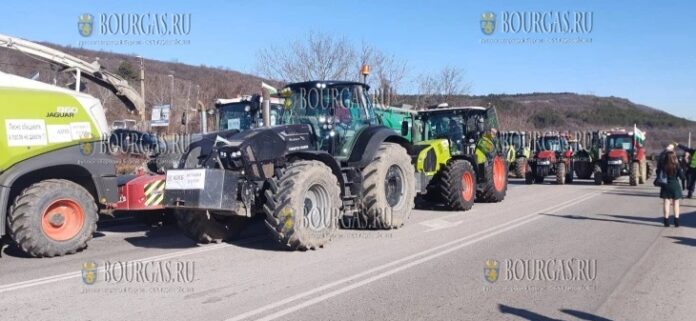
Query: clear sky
{"points": [[641, 50]]}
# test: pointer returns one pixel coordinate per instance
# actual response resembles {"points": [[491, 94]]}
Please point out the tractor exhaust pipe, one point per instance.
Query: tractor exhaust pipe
{"points": [[267, 90]]}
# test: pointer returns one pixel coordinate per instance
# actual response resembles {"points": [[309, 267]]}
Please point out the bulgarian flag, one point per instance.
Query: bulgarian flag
{"points": [[638, 134]]}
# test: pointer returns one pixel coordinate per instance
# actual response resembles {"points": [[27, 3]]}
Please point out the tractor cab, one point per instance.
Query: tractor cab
{"points": [[623, 153], [553, 156], [246, 113], [460, 126], [336, 112]]}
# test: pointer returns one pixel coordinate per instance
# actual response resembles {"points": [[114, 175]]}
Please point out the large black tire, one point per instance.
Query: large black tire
{"points": [[643, 172], [456, 185], [560, 173], [529, 178], [207, 227], [303, 206], [597, 175], [381, 212], [583, 168], [521, 167], [495, 186], [539, 179], [53, 218], [648, 170], [634, 174]]}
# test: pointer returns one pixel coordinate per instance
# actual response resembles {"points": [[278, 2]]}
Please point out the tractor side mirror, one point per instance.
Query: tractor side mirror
{"points": [[404, 128]]}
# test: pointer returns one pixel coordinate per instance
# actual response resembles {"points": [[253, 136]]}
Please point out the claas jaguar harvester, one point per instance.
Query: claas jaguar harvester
{"points": [[328, 160], [54, 177], [553, 156], [458, 156]]}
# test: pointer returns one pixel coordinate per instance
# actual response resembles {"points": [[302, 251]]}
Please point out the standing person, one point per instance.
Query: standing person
{"points": [[691, 171], [671, 192]]}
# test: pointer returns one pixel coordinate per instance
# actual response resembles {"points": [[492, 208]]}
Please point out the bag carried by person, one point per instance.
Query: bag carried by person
{"points": [[660, 179]]}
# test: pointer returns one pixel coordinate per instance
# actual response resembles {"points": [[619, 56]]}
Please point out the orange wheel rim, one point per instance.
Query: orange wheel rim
{"points": [[467, 186], [62, 220], [498, 173]]}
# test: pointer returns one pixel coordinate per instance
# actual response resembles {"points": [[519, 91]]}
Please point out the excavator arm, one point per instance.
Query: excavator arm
{"points": [[92, 71]]}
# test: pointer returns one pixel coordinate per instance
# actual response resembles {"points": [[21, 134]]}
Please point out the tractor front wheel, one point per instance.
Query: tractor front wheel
{"points": [[521, 167], [634, 174], [389, 188], [457, 185], [52, 218], [208, 227], [597, 175], [560, 173], [303, 206], [495, 186]]}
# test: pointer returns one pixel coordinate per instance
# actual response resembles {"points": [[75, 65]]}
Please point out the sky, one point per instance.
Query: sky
{"points": [[641, 50]]}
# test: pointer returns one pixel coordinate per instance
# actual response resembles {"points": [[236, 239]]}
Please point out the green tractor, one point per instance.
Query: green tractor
{"points": [[517, 152], [458, 156], [329, 159]]}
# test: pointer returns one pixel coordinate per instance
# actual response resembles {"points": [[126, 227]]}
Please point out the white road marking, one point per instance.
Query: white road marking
{"points": [[78, 274], [439, 224], [467, 240]]}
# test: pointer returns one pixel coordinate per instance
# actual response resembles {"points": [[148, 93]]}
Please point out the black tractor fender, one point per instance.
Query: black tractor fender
{"points": [[323, 157], [368, 141]]}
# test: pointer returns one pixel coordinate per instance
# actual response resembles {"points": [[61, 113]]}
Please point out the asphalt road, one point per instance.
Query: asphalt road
{"points": [[574, 252]]}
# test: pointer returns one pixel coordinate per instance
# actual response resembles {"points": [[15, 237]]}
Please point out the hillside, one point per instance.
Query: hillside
{"points": [[535, 111]]}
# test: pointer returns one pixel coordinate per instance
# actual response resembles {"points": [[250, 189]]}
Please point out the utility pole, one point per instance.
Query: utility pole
{"points": [[689, 139], [143, 116], [186, 110], [171, 100]]}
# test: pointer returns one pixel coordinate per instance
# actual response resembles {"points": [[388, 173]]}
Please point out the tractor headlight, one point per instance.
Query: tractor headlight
{"points": [[545, 162], [322, 119], [615, 162], [236, 154]]}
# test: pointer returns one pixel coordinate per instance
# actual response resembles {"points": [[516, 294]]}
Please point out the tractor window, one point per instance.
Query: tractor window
{"points": [[552, 144], [620, 142], [235, 116], [335, 113]]}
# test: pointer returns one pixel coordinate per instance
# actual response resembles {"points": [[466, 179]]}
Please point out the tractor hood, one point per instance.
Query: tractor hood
{"points": [[547, 154], [618, 154]]}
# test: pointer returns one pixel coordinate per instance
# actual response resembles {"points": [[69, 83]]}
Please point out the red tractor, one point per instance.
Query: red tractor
{"points": [[553, 155], [623, 153]]}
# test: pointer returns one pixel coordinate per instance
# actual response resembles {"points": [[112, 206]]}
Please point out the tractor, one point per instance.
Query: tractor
{"points": [[622, 153], [553, 156], [517, 151], [452, 164], [330, 159]]}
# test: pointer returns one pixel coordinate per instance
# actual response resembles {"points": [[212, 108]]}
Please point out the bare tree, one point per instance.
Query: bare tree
{"points": [[320, 57], [440, 87], [451, 82]]}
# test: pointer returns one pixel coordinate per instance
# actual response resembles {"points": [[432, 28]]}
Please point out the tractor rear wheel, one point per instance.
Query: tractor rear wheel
{"points": [[495, 187], [457, 185], [389, 188], [597, 174], [634, 174], [52, 218], [560, 173], [207, 227], [521, 167], [643, 172], [303, 206]]}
